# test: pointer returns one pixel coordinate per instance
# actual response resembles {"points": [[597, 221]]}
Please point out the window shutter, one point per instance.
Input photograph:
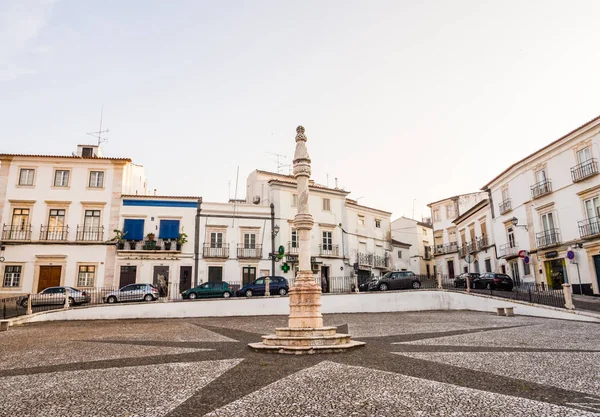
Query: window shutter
{"points": [[134, 229], [169, 229]]}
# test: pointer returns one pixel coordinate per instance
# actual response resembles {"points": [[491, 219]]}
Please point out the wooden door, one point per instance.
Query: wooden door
{"points": [[161, 280], [215, 274], [185, 278], [248, 274], [127, 276], [49, 277]]}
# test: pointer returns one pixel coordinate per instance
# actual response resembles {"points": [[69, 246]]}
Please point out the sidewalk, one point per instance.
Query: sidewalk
{"points": [[586, 302]]}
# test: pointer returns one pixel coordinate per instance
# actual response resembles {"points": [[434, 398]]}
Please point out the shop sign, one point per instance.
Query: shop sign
{"points": [[552, 254]]}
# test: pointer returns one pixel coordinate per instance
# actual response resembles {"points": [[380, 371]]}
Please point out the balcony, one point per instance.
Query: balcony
{"points": [[329, 250], [16, 232], [548, 238], [589, 227], [150, 245], [472, 247], [439, 249], [54, 233], [584, 170], [462, 251], [252, 252], [381, 262], [90, 234], [482, 242], [541, 188], [505, 206], [292, 247], [215, 250], [365, 259], [427, 253], [509, 250], [451, 247]]}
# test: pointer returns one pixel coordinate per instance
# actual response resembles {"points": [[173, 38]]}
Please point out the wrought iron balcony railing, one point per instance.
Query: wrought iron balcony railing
{"points": [[329, 250], [90, 234], [589, 227], [541, 188], [382, 262], [462, 250], [548, 238], [482, 242], [365, 259], [505, 206], [509, 250], [54, 233], [249, 252], [16, 232], [584, 170], [472, 247], [439, 249], [451, 247], [215, 250], [427, 253], [150, 245], [292, 247]]}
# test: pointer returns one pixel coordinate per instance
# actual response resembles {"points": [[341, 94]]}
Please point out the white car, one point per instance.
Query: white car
{"points": [[56, 296], [133, 292]]}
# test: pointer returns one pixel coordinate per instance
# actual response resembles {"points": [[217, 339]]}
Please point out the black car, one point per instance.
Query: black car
{"points": [[277, 286], [461, 280], [398, 280], [493, 281]]}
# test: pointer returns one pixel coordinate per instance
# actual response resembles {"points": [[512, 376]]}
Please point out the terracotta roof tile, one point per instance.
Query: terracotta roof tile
{"points": [[62, 157]]}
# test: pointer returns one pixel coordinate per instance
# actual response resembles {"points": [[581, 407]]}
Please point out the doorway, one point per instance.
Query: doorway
{"points": [[503, 269], [428, 271], [161, 280], [127, 275], [450, 269], [325, 279], [597, 268], [249, 274], [215, 273], [556, 273], [185, 278], [49, 277], [515, 273]]}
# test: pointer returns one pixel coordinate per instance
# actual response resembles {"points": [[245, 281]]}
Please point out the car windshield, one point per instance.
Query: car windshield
{"points": [[387, 275]]}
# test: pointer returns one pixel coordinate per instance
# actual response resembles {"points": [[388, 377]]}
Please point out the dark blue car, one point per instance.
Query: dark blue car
{"points": [[277, 286]]}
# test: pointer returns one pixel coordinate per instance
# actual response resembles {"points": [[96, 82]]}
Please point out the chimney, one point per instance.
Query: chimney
{"points": [[155, 191], [336, 186]]}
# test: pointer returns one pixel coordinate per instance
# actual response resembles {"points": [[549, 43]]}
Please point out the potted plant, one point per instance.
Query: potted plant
{"points": [[167, 244], [151, 237], [119, 238], [150, 244], [181, 240], [132, 244]]}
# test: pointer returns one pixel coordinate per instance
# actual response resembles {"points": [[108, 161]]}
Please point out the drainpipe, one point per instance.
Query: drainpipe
{"points": [[272, 239], [197, 242]]}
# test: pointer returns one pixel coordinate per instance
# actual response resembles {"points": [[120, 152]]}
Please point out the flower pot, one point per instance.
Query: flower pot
{"points": [[120, 245], [167, 245], [132, 244], [178, 246]]}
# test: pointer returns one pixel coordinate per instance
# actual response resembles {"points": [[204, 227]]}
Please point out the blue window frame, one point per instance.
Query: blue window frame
{"points": [[169, 229], [133, 229]]}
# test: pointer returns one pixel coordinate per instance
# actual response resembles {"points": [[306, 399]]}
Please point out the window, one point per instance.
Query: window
{"points": [[526, 269], [505, 194], [592, 207], [327, 240], [361, 220], [20, 218], [12, 276], [540, 176], [326, 204], [96, 179], [91, 221], [133, 229], [249, 241], [86, 276], [584, 155], [378, 223], [548, 222], [56, 225], [26, 176], [216, 240], [436, 215], [294, 238], [168, 229], [87, 152], [399, 254], [294, 200], [483, 228], [511, 237], [61, 178], [450, 211], [488, 265]]}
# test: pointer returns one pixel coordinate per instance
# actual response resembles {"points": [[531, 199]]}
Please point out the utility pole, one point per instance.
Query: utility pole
{"points": [[197, 242], [272, 239]]}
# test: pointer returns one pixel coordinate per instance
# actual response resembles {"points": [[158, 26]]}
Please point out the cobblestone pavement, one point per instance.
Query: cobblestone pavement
{"points": [[414, 364]]}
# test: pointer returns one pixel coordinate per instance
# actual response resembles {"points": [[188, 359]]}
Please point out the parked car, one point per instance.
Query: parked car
{"points": [[277, 285], [461, 280], [133, 292], [395, 281], [208, 290], [493, 281], [56, 296]]}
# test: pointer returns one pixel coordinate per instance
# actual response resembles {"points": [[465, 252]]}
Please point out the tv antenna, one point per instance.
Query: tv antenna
{"points": [[280, 164], [100, 132]]}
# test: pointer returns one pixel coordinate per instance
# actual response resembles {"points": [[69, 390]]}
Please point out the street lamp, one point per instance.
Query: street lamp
{"points": [[515, 222], [275, 230]]}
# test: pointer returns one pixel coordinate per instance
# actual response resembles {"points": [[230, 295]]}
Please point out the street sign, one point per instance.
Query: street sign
{"points": [[469, 259], [526, 259], [551, 254], [522, 253], [571, 255]]}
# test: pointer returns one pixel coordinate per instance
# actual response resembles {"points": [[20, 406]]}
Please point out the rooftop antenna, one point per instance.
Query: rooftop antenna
{"points": [[279, 163], [100, 132]]}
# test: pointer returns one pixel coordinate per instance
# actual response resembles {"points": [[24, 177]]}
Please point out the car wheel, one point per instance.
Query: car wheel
{"points": [[416, 285], [226, 294], [248, 293], [71, 301], [24, 303], [383, 287], [192, 296], [488, 286], [148, 297], [111, 300], [282, 291]]}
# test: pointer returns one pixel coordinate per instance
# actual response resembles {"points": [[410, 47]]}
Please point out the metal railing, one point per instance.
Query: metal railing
{"points": [[472, 246], [292, 247], [329, 250], [54, 233], [584, 170], [548, 238], [541, 188], [507, 250], [427, 253], [365, 259], [482, 242], [451, 247], [16, 232], [439, 250], [462, 250], [382, 262], [505, 206], [215, 250], [252, 252], [589, 227], [90, 234]]}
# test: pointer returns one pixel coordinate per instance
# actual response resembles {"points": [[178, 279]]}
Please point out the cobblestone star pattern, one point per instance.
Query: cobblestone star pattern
{"points": [[414, 364]]}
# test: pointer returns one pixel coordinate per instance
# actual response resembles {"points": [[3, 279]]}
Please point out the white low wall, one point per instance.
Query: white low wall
{"points": [[378, 302]]}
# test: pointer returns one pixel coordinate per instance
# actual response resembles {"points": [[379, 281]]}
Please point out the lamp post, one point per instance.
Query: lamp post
{"points": [[274, 232]]}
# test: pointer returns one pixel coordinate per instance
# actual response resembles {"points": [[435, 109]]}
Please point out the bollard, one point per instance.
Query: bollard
{"points": [[568, 292], [356, 289], [29, 298], [468, 284], [67, 299], [439, 280], [267, 282]]}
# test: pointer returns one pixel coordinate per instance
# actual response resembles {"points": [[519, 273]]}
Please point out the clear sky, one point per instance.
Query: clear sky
{"points": [[401, 100]]}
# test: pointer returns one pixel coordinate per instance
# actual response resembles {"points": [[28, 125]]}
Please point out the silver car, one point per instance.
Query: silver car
{"points": [[133, 292], [56, 296]]}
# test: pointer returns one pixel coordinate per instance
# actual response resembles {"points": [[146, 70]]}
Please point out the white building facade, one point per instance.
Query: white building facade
{"points": [[548, 204], [419, 236]]}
